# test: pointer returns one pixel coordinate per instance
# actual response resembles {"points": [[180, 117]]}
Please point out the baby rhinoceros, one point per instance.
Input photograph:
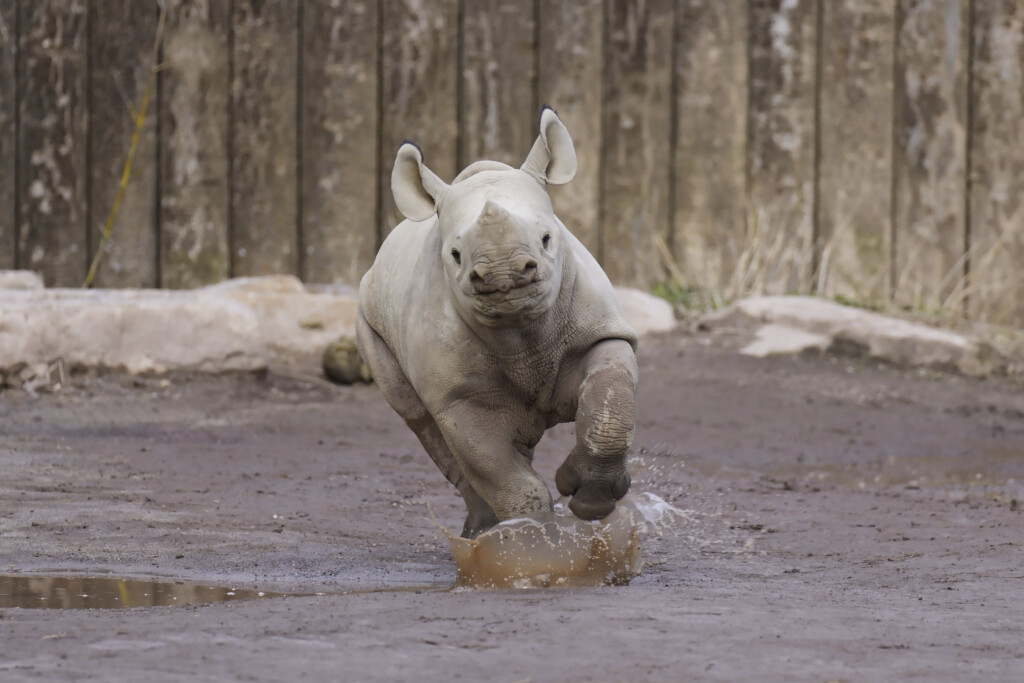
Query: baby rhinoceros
{"points": [[484, 321]]}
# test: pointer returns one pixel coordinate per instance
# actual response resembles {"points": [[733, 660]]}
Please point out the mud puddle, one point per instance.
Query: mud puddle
{"points": [[565, 551], [63, 592]]}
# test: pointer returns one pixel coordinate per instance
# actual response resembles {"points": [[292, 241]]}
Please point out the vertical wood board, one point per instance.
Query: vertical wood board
{"points": [[855, 171], [930, 156], [498, 72], [195, 91], [570, 65], [120, 59], [778, 248], [264, 163], [709, 222], [339, 139], [997, 164], [419, 98], [636, 147], [8, 132], [52, 163]]}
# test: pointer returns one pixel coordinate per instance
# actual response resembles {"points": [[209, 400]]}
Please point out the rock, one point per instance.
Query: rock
{"points": [[263, 284], [342, 363], [20, 279], [646, 312], [242, 324], [295, 325], [137, 330], [783, 339], [828, 325]]}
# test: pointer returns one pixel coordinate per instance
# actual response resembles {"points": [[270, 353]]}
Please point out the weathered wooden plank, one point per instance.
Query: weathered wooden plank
{"points": [[778, 250], [52, 237], [997, 163], [570, 65], [419, 102], [498, 71], [711, 63], [930, 155], [339, 139], [636, 156], [195, 89], [264, 160], [855, 169], [8, 132], [122, 36]]}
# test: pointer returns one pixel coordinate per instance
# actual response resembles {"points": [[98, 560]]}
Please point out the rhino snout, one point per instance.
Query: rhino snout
{"points": [[517, 272]]}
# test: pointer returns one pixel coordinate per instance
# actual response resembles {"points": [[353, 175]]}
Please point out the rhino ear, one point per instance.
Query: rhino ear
{"points": [[417, 190], [553, 157]]}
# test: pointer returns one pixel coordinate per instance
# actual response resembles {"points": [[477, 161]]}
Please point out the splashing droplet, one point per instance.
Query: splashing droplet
{"points": [[567, 551]]}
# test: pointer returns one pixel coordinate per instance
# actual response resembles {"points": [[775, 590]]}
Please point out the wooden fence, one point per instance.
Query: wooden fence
{"points": [[868, 148]]}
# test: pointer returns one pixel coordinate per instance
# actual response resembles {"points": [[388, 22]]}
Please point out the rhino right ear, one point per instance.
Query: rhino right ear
{"points": [[417, 190]]}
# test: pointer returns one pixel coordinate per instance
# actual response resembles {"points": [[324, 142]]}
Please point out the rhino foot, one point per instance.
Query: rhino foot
{"points": [[593, 500], [477, 523]]}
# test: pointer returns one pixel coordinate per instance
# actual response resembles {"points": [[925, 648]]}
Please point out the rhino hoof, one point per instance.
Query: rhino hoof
{"points": [[478, 524], [592, 502], [566, 480]]}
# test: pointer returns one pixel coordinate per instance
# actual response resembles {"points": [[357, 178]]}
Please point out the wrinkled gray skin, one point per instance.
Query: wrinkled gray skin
{"points": [[485, 322]]}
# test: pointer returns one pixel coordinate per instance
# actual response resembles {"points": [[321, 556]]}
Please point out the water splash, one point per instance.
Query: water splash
{"points": [[566, 551]]}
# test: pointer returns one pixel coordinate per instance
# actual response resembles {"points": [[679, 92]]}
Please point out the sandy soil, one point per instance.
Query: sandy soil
{"points": [[845, 521]]}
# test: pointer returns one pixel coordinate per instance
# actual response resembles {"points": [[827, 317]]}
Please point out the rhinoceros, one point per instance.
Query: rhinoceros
{"points": [[484, 322]]}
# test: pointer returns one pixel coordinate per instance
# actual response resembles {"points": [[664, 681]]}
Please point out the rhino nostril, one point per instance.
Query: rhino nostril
{"points": [[479, 284], [530, 270]]}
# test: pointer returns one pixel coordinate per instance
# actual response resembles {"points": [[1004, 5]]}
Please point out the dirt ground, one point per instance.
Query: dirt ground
{"points": [[845, 520]]}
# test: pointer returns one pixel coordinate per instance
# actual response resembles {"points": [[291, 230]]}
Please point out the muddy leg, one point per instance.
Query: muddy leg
{"points": [[595, 473], [401, 396]]}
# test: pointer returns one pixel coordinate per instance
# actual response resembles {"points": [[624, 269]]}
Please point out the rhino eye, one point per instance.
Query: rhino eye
{"points": [[544, 240], [457, 256]]}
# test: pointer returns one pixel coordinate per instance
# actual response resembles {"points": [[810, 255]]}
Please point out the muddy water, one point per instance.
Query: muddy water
{"points": [[564, 552], [55, 592]]}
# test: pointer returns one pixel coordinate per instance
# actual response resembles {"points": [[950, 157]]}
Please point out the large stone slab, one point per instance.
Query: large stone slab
{"points": [[790, 324], [645, 312], [295, 325], [244, 324], [134, 330], [20, 279]]}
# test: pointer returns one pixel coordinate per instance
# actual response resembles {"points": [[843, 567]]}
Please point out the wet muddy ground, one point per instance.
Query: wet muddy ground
{"points": [[844, 521]]}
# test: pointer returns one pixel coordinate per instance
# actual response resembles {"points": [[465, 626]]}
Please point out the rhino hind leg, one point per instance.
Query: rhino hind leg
{"points": [[595, 473], [401, 396]]}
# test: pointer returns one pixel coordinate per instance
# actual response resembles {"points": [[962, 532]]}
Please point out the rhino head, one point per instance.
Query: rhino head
{"points": [[502, 247]]}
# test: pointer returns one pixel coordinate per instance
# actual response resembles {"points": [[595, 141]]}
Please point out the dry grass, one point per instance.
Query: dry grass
{"points": [[773, 258]]}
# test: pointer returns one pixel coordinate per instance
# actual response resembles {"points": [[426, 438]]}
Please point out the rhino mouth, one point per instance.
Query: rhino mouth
{"points": [[524, 303]]}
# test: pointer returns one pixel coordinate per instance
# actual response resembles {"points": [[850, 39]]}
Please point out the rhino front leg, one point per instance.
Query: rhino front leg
{"points": [[595, 473], [401, 396], [493, 454]]}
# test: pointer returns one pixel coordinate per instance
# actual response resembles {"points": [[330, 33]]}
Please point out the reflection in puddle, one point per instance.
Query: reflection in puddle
{"points": [[95, 592]]}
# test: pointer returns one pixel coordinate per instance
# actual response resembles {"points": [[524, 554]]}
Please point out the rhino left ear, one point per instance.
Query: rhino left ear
{"points": [[417, 190], [553, 157]]}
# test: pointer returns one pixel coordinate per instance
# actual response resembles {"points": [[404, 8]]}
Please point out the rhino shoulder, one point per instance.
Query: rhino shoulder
{"points": [[404, 273], [595, 303]]}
